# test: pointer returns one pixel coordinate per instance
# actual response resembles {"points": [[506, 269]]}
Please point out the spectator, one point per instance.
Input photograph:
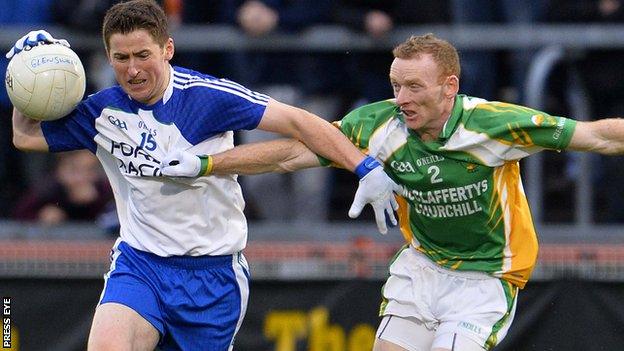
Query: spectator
{"points": [[293, 78], [77, 191], [481, 67], [368, 75], [260, 18]]}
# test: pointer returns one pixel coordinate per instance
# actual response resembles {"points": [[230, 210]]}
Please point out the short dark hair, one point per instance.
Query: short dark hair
{"points": [[128, 16], [443, 53]]}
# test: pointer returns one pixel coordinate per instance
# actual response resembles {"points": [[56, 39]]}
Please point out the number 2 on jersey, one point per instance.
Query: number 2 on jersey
{"points": [[435, 172]]}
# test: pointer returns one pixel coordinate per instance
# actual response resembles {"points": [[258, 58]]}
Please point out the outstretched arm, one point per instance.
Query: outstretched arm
{"points": [[375, 187], [285, 155], [604, 136], [316, 133], [280, 156]]}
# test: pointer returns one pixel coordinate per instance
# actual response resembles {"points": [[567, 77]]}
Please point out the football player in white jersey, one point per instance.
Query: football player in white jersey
{"points": [[178, 279]]}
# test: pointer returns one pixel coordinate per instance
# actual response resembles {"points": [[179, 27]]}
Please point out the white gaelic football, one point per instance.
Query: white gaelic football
{"points": [[45, 82]]}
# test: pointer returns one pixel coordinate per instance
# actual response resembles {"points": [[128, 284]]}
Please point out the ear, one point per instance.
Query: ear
{"points": [[451, 87], [169, 49]]}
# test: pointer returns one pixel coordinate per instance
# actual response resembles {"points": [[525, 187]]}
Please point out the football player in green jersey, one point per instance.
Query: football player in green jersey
{"points": [[471, 243]]}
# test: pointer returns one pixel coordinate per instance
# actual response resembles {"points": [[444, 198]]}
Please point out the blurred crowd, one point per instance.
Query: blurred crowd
{"points": [[54, 189]]}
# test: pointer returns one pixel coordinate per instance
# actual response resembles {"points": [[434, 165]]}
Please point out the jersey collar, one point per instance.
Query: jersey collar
{"points": [[451, 122], [166, 96], [169, 89]]}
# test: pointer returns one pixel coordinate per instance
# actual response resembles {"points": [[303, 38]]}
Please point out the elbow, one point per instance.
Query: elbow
{"points": [[284, 167], [27, 133], [20, 142], [298, 157], [304, 122], [25, 143]]}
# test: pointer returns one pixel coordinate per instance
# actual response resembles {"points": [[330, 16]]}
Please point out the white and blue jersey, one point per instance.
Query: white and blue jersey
{"points": [[161, 215]]}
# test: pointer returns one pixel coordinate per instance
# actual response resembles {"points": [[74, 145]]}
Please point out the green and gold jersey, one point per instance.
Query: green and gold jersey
{"points": [[462, 202]]}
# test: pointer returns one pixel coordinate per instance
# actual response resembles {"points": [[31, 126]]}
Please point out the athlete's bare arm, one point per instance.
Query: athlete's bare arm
{"points": [[320, 136], [282, 155], [604, 136], [27, 134]]}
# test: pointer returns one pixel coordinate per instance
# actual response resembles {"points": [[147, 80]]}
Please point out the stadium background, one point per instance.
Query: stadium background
{"points": [[317, 275]]}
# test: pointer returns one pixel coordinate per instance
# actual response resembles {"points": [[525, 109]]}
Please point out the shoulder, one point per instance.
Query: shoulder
{"points": [[362, 123], [379, 111], [484, 108], [480, 112], [189, 82], [108, 94], [113, 96], [195, 84], [185, 76]]}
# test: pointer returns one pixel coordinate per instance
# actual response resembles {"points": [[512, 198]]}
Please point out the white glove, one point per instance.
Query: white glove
{"points": [[376, 188], [180, 163], [34, 38]]}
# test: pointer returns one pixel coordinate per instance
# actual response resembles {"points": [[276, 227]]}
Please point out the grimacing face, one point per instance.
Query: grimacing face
{"points": [[141, 66], [424, 96]]}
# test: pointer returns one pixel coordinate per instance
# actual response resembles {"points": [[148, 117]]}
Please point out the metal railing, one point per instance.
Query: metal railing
{"points": [[337, 39], [554, 43]]}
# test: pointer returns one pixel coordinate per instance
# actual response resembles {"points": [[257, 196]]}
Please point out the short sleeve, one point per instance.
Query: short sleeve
{"points": [[521, 127], [360, 124], [75, 131], [212, 106]]}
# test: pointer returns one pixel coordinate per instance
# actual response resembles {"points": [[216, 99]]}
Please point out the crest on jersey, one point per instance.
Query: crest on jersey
{"points": [[541, 120], [471, 167], [537, 119]]}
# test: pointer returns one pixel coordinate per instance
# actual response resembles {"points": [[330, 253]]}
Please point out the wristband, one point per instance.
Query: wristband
{"points": [[206, 165], [367, 165]]}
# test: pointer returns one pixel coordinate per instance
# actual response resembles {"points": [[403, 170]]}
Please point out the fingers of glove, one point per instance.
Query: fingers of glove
{"points": [[390, 214], [171, 159], [33, 38], [170, 171], [180, 170], [42, 36], [389, 224], [396, 188], [180, 163], [62, 42], [380, 218], [356, 206], [39, 35], [19, 46], [394, 203], [175, 171]]}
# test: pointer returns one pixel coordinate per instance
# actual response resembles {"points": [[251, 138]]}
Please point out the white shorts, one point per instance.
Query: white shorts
{"points": [[472, 304]]}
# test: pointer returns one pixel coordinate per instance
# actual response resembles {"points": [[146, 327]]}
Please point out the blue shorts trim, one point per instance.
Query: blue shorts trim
{"points": [[196, 303]]}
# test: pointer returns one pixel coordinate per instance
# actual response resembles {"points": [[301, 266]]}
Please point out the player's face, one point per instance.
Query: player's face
{"points": [[423, 94], [141, 66]]}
